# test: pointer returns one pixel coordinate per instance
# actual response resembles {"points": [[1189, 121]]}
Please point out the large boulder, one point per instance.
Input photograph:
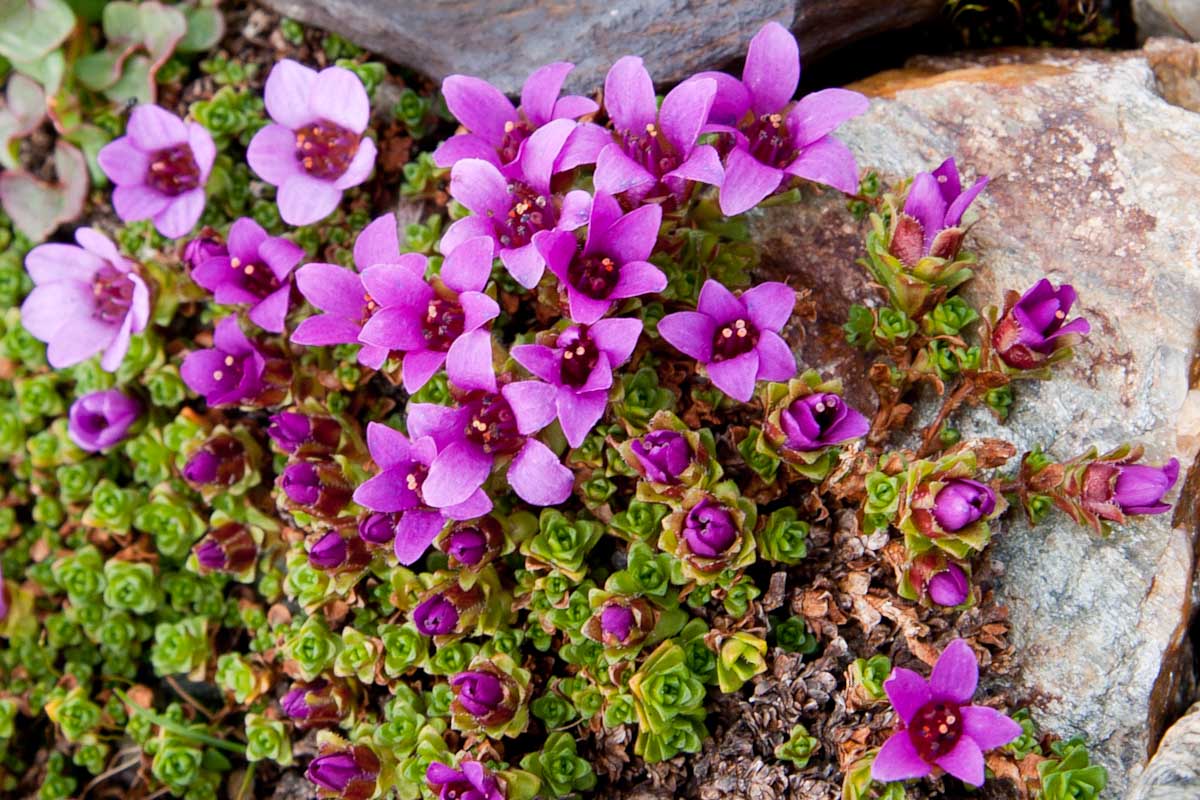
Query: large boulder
{"points": [[1094, 175], [504, 40], [1174, 772], [1168, 18]]}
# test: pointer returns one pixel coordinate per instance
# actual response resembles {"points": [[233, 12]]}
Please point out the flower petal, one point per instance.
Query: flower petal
{"points": [[397, 286], [772, 70], [378, 243], [387, 445], [49, 263], [272, 154], [469, 362], [455, 474], [287, 91], [827, 161], [585, 310], [136, 201], [576, 210], [464, 145], [689, 332], [270, 313], [204, 150], [578, 413], [360, 166], [331, 288], [47, 308], [776, 362], [153, 128], [769, 304], [616, 172], [731, 101], [908, 691], [468, 267], [537, 476], [443, 423], [582, 146], [394, 328], [478, 309], [638, 278], [616, 337], [719, 303], [480, 107], [736, 376], [419, 366], [304, 200], [684, 112], [818, 114], [79, 338], [415, 533], [532, 404], [525, 264], [541, 361], [384, 492], [959, 206], [338, 95], [703, 166], [123, 162], [955, 674], [539, 156], [540, 91], [326, 329], [480, 187], [632, 237], [964, 762], [629, 96], [180, 214], [988, 727], [747, 182], [898, 760]]}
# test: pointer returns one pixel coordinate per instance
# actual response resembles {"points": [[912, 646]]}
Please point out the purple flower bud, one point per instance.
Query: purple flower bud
{"points": [[467, 545], [480, 693], [435, 616], [295, 703], [1031, 326], [616, 621], [210, 555], [709, 529], [335, 771], [962, 502], [228, 548], [301, 483], [949, 587], [329, 552], [378, 528], [1140, 488], [3, 597], [313, 705], [100, 420], [290, 430], [821, 420], [201, 468], [663, 455], [201, 249]]}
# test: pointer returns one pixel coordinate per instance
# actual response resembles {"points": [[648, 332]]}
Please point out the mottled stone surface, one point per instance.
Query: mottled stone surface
{"points": [[1174, 772], [504, 40], [1094, 176], [1168, 18]]}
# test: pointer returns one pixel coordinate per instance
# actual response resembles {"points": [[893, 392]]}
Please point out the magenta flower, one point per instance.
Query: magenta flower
{"points": [[404, 466], [315, 149], [655, 154], [940, 728], [1033, 327], [736, 338], [227, 548], [229, 372], [201, 249], [435, 616], [85, 299], [436, 322], [498, 131], [611, 265], [345, 772], [663, 455], [949, 587], [933, 210], [160, 167], [480, 693], [471, 781], [99, 420], [1112, 491], [378, 528], [330, 551], [487, 427], [821, 420], [769, 139], [511, 210], [467, 544], [616, 621], [962, 502], [580, 367], [254, 271], [709, 529], [340, 293]]}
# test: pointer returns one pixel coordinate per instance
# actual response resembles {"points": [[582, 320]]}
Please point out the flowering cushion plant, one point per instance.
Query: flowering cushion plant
{"points": [[525, 499]]}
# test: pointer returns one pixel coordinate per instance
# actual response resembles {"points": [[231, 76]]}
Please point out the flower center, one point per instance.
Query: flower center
{"points": [[530, 212], [579, 358], [256, 278], [229, 374], [825, 412], [325, 150], [113, 292], [514, 134], [443, 323], [494, 427], [770, 142], [935, 729], [649, 149], [173, 171], [415, 479], [730, 341], [596, 276]]}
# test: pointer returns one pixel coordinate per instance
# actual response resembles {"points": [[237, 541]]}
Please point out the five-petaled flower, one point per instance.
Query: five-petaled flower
{"points": [[340, 294], [612, 263], [99, 420], [229, 372], [940, 727], [487, 426], [254, 271], [736, 338], [315, 148], [933, 211], [85, 299], [656, 154], [768, 140], [821, 420], [160, 167], [439, 321], [497, 132], [1035, 325], [471, 781], [579, 365], [403, 465]]}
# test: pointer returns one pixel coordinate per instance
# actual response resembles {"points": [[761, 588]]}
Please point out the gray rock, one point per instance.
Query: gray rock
{"points": [[1093, 183], [1168, 18], [504, 40], [1174, 772]]}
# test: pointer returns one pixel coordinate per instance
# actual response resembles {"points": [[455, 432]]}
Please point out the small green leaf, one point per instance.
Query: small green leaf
{"points": [[29, 29], [205, 27]]}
